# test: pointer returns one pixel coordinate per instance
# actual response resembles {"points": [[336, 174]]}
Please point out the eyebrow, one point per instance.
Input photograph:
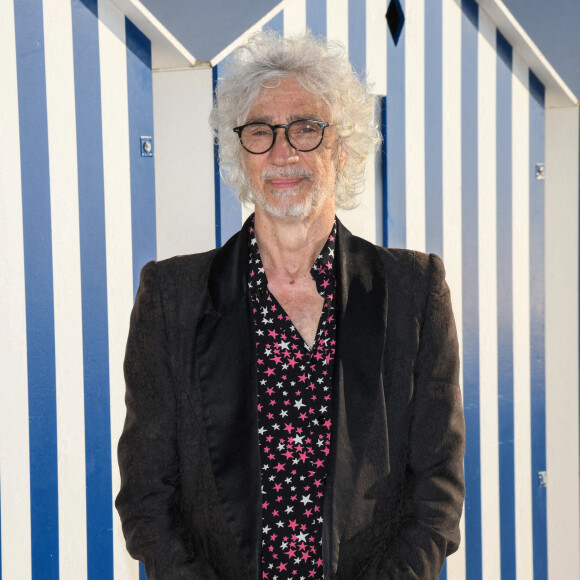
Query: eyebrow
{"points": [[268, 119]]}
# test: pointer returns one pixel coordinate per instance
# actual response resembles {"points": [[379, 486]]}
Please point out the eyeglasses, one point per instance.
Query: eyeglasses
{"points": [[303, 135]]}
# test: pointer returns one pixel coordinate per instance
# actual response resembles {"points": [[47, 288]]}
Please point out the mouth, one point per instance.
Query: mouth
{"points": [[285, 183]]}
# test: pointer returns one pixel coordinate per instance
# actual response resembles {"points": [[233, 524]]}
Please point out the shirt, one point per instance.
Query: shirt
{"points": [[294, 403]]}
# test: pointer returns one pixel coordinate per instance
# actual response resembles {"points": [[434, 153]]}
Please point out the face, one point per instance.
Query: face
{"points": [[285, 182]]}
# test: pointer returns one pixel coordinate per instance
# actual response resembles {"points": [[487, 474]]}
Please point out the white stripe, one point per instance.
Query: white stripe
{"points": [[184, 164], [451, 83], [14, 450], [376, 45], [60, 98], [562, 417], [294, 16], [415, 124], [337, 21], [521, 313], [117, 183], [487, 243]]}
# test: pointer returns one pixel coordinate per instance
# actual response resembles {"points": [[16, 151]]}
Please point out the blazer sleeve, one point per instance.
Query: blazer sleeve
{"points": [[435, 486], [148, 501]]}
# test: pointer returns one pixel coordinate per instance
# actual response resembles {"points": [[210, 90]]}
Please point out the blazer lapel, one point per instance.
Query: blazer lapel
{"points": [[358, 388], [225, 360]]}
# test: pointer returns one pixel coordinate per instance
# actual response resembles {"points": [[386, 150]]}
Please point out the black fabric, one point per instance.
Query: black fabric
{"points": [[190, 499]]}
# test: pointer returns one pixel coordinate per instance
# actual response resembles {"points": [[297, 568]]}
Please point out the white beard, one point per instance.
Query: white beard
{"points": [[288, 206]]}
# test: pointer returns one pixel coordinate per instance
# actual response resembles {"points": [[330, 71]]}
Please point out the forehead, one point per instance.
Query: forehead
{"points": [[287, 101]]}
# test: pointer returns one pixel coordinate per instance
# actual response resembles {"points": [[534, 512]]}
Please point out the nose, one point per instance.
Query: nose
{"points": [[282, 153]]}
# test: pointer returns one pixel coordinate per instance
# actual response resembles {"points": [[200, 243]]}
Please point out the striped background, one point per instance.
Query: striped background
{"points": [[81, 211]]}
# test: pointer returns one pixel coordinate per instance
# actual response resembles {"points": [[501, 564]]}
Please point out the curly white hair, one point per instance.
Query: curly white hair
{"points": [[322, 68]]}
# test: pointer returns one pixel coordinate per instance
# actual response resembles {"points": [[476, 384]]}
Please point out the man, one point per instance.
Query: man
{"points": [[293, 407]]}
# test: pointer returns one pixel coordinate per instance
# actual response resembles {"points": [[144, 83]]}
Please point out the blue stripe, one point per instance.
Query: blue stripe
{"points": [[397, 213], [537, 329], [505, 378], [36, 214], [384, 172], [357, 32], [470, 281], [276, 23], [216, 174], [316, 16], [94, 289], [140, 101], [434, 127]]}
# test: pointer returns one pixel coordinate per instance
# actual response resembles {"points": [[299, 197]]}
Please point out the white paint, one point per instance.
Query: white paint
{"points": [[561, 198], [521, 317], [376, 45], [337, 21], [488, 354], [184, 174], [451, 84], [295, 18], [60, 96], [14, 449], [117, 190], [415, 124]]}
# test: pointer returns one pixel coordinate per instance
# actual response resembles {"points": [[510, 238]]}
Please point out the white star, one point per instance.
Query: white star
{"points": [[275, 426], [289, 509], [306, 499], [284, 345], [298, 439], [266, 529], [323, 409], [299, 404], [261, 430], [301, 537], [264, 311], [260, 332], [283, 413]]}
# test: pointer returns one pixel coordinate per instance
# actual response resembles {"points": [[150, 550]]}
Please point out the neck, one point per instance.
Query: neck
{"points": [[288, 246]]}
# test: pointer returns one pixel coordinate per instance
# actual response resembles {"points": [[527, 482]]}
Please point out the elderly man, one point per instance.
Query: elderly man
{"points": [[293, 406]]}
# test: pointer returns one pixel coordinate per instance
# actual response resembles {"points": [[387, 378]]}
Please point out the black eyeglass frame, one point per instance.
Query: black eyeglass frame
{"points": [[321, 124]]}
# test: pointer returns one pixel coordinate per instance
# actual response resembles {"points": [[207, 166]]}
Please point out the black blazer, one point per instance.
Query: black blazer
{"points": [[189, 456]]}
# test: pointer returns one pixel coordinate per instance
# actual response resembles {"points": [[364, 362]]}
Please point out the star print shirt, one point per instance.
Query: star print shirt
{"points": [[294, 390]]}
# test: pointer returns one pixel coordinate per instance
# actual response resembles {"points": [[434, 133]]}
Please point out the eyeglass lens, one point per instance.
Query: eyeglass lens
{"points": [[303, 136]]}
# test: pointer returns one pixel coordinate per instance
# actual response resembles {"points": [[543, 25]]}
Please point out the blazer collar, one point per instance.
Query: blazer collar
{"points": [[357, 402], [225, 361]]}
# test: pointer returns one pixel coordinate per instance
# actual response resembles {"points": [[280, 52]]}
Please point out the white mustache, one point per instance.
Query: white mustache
{"points": [[288, 173]]}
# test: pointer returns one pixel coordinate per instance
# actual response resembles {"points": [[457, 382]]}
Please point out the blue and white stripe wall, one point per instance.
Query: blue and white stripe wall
{"points": [[466, 120], [77, 221]]}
